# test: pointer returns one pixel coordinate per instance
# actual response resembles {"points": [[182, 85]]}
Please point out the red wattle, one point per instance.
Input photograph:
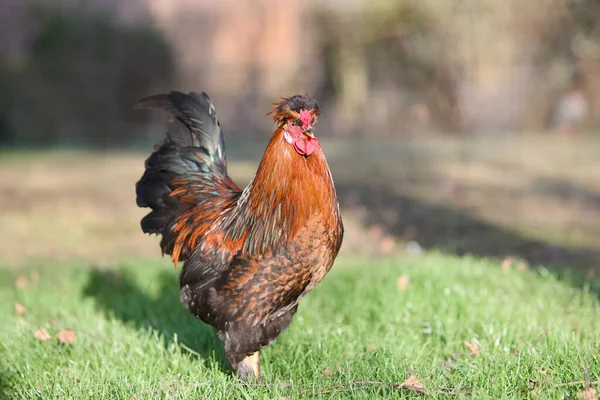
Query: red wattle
{"points": [[306, 146]]}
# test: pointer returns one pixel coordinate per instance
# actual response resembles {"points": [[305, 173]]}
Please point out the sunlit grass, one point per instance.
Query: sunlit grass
{"points": [[537, 335]]}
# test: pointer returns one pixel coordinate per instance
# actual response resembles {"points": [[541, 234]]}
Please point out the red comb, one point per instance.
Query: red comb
{"points": [[305, 118]]}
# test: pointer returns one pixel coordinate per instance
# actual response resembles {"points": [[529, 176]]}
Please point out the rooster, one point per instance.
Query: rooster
{"points": [[249, 255]]}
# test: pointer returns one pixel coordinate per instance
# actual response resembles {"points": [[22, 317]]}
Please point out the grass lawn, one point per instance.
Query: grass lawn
{"points": [[462, 327]]}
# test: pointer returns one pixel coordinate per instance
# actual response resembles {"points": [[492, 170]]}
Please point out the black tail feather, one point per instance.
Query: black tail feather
{"points": [[199, 117], [193, 149]]}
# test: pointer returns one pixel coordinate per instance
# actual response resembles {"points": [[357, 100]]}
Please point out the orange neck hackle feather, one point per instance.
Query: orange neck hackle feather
{"points": [[287, 190], [300, 185]]}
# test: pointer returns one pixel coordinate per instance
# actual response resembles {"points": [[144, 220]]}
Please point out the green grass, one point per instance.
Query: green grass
{"points": [[133, 336]]}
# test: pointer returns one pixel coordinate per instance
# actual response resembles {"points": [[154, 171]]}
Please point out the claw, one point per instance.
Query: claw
{"points": [[248, 370]]}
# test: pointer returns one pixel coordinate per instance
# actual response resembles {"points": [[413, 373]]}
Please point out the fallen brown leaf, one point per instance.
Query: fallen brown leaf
{"points": [[20, 282], [473, 348], [403, 282], [20, 309], [506, 263], [412, 383], [387, 244], [542, 371], [66, 336], [327, 372], [522, 266], [42, 335], [588, 394]]}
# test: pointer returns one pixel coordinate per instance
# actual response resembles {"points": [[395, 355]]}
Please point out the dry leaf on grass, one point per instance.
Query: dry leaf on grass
{"points": [[327, 372], [403, 282], [42, 335], [20, 309], [20, 282], [473, 348], [588, 394], [413, 384], [522, 266], [387, 244], [66, 336], [542, 371], [506, 263]]}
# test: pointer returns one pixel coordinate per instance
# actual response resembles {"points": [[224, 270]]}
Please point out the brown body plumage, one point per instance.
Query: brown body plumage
{"points": [[250, 255]]}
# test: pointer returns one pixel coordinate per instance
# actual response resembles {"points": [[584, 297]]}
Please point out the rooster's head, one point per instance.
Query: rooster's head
{"points": [[297, 116]]}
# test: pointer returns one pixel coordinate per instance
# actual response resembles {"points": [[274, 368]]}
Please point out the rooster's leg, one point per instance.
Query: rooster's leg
{"points": [[249, 368]]}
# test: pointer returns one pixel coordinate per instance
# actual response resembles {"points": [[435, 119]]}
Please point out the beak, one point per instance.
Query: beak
{"points": [[310, 132]]}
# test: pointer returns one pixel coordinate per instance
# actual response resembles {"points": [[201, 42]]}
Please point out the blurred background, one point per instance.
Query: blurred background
{"points": [[469, 126]]}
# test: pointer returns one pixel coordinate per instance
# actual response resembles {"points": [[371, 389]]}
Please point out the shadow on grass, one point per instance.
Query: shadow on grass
{"points": [[454, 231], [119, 295], [567, 191], [5, 384]]}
